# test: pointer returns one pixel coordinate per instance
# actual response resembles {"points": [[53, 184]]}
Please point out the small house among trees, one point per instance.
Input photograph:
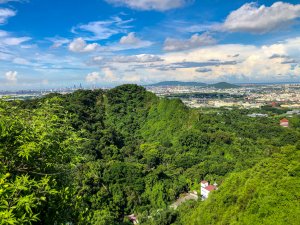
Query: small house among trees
{"points": [[284, 122], [206, 189]]}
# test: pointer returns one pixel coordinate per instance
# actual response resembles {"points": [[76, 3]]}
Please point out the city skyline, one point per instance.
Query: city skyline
{"points": [[46, 44]]}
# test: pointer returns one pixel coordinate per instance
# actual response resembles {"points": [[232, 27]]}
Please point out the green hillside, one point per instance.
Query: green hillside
{"points": [[268, 193], [223, 85], [95, 157]]}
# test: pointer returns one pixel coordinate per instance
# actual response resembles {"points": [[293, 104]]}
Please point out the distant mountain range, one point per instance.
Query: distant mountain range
{"points": [[220, 85]]}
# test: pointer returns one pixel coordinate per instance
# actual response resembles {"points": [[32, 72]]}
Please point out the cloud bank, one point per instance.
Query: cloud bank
{"points": [[261, 19]]}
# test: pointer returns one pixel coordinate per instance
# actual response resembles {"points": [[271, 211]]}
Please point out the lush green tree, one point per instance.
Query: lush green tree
{"points": [[95, 157]]}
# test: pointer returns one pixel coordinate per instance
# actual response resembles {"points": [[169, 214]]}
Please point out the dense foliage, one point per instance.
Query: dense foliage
{"points": [[94, 157]]}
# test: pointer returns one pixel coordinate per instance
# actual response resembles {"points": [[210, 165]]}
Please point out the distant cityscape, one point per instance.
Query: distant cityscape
{"points": [[197, 95], [246, 96]]}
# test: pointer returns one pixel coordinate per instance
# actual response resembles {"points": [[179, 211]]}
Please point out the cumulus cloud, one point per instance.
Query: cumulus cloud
{"points": [[159, 5], [129, 39], [5, 14], [11, 76], [195, 41], [216, 62], [106, 76], [80, 45], [261, 19], [253, 63], [93, 77], [109, 75], [132, 42]]}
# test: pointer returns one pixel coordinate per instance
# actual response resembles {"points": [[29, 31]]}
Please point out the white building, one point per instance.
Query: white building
{"points": [[206, 189]]}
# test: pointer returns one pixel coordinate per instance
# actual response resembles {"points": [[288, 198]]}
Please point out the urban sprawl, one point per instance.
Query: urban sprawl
{"points": [[244, 96]]}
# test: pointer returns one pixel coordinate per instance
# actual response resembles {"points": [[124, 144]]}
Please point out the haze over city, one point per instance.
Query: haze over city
{"points": [[48, 44]]}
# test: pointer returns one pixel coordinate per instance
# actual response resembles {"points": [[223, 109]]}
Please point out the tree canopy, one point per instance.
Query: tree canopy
{"points": [[95, 157]]}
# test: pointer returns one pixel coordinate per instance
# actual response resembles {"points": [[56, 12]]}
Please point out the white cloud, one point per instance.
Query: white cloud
{"points": [[5, 14], [107, 76], [13, 41], [101, 30], [227, 62], [261, 19], [11, 76], [130, 41], [195, 41], [80, 45], [159, 5], [93, 77], [58, 41], [253, 63]]}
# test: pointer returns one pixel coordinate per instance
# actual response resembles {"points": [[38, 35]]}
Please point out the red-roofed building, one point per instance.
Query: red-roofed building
{"points": [[284, 122], [206, 189], [211, 188]]}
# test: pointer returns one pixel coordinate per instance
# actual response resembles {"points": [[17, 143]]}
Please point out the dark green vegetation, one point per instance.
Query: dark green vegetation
{"points": [[94, 157], [220, 85]]}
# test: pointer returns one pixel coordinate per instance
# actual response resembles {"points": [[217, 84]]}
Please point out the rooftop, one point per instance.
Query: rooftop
{"points": [[210, 187], [284, 120]]}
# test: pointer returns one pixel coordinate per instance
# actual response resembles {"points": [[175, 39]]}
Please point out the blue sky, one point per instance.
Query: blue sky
{"points": [[55, 43]]}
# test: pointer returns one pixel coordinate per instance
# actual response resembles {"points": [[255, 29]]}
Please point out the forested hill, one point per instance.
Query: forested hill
{"points": [[220, 85], [95, 157]]}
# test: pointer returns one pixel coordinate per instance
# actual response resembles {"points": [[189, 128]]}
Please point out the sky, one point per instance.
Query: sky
{"points": [[55, 43]]}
